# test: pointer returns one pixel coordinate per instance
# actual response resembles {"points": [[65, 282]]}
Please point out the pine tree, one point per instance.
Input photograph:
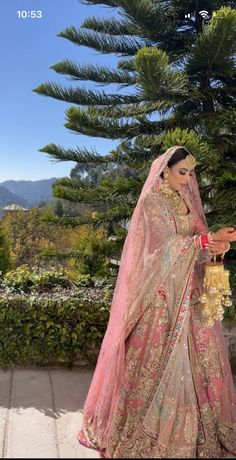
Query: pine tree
{"points": [[58, 208], [180, 75]]}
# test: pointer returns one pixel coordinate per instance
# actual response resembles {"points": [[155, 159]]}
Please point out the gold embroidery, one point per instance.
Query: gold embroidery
{"points": [[188, 427], [127, 439]]}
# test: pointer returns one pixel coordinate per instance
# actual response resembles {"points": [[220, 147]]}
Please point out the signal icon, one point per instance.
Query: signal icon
{"points": [[189, 15], [204, 14]]}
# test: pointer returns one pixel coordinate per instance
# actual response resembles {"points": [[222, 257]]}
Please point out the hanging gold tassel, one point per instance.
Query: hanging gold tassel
{"points": [[216, 292]]}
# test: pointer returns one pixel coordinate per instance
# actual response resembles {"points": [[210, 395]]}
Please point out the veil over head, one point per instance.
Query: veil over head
{"points": [[132, 283]]}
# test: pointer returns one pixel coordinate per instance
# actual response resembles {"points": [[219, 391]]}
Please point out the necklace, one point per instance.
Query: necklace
{"points": [[174, 198]]}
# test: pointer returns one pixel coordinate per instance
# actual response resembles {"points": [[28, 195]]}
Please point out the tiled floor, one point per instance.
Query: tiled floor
{"points": [[41, 412]]}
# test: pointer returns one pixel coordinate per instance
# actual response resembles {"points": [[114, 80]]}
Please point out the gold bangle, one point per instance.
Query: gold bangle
{"points": [[222, 256]]}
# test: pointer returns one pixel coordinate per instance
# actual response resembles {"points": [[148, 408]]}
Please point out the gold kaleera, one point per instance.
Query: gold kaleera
{"points": [[216, 292]]}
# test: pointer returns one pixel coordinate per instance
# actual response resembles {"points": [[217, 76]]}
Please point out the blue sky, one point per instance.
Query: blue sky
{"points": [[29, 121]]}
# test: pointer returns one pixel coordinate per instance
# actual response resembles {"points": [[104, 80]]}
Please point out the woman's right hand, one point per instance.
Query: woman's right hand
{"points": [[218, 247], [227, 234]]}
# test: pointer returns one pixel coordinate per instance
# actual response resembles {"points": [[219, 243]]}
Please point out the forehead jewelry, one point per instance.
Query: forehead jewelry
{"points": [[191, 162]]}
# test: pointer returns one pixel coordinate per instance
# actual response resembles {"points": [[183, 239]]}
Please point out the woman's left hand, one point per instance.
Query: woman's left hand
{"points": [[218, 247]]}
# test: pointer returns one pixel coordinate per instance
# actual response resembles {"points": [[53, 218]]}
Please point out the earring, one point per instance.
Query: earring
{"points": [[165, 182]]}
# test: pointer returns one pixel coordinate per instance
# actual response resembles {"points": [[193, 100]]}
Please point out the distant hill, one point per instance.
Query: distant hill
{"points": [[7, 197], [25, 192]]}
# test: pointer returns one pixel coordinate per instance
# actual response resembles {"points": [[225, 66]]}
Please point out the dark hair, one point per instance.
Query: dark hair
{"points": [[180, 154]]}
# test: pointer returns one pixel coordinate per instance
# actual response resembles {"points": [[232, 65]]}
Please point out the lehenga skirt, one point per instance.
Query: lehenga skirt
{"points": [[189, 411], [198, 419]]}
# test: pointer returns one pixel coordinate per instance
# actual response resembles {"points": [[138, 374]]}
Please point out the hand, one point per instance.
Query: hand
{"points": [[218, 247], [225, 234]]}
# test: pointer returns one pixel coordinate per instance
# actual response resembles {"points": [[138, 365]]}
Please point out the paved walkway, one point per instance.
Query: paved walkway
{"points": [[41, 412]]}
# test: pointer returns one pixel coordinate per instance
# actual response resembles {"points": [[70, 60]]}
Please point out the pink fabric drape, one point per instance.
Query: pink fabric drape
{"points": [[151, 395]]}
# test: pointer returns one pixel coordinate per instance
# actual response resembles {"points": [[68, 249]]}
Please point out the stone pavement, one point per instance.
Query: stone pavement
{"points": [[41, 412]]}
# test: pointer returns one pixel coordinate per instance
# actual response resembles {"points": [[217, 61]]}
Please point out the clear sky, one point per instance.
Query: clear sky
{"points": [[29, 121]]}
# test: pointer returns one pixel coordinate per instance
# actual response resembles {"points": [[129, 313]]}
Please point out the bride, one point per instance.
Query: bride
{"points": [[163, 385]]}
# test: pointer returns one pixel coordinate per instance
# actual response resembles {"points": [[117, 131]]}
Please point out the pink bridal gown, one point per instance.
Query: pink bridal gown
{"points": [[177, 398]]}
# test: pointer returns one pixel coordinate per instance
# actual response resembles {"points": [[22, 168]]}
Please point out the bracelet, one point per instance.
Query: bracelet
{"points": [[228, 248], [222, 256], [210, 236], [201, 241], [204, 240]]}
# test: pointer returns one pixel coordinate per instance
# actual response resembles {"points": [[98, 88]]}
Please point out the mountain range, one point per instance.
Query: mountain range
{"points": [[25, 193]]}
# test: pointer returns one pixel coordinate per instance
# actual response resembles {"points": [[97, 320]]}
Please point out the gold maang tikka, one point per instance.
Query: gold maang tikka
{"points": [[174, 197], [191, 162]]}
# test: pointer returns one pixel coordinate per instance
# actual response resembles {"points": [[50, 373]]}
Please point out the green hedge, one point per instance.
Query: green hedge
{"points": [[62, 329], [45, 319]]}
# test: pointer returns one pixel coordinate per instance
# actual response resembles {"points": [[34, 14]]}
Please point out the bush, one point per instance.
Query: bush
{"points": [[60, 326], [46, 318], [25, 279]]}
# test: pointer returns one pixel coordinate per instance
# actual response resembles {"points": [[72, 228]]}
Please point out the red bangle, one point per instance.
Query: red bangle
{"points": [[204, 240]]}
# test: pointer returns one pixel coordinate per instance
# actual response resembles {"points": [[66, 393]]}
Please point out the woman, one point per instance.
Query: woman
{"points": [[163, 385]]}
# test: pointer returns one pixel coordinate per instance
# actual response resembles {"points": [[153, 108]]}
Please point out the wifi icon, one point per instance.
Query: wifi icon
{"points": [[204, 14]]}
